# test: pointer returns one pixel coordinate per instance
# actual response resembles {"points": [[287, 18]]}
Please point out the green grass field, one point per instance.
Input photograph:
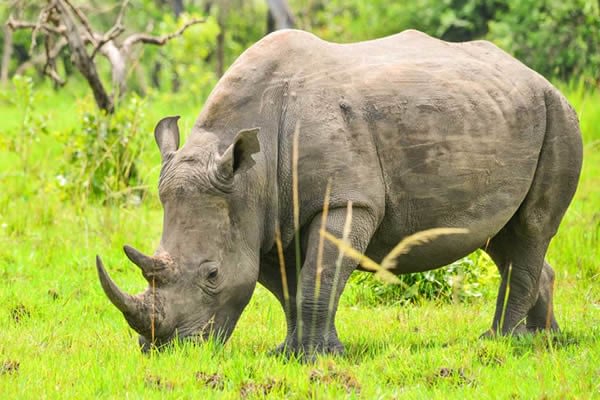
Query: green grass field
{"points": [[61, 338]]}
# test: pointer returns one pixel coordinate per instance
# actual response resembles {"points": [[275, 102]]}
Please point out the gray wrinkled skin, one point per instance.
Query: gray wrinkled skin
{"points": [[417, 133]]}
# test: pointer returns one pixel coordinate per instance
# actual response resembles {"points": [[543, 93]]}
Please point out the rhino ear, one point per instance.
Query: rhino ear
{"points": [[166, 134], [238, 156]]}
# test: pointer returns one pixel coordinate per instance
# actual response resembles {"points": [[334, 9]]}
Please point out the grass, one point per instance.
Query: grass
{"points": [[61, 338]]}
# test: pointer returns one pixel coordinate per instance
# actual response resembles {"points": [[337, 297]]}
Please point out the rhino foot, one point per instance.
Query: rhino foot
{"points": [[308, 352], [521, 330]]}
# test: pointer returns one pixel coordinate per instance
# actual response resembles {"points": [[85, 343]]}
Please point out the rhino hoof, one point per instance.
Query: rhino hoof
{"points": [[307, 353]]}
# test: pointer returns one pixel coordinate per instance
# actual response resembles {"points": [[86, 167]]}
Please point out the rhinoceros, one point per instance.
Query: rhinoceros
{"points": [[414, 132]]}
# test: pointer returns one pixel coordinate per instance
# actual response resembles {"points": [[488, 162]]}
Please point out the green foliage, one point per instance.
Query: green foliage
{"points": [[184, 63], [31, 124], [454, 20], [554, 37], [103, 153], [462, 281], [559, 39]]}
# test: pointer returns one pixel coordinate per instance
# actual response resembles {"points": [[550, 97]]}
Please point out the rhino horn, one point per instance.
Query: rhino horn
{"points": [[126, 303], [148, 265]]}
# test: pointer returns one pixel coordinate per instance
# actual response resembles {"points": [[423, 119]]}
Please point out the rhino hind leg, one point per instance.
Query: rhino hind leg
{"points": [[520, 261], [520, 247], [541, 316]]}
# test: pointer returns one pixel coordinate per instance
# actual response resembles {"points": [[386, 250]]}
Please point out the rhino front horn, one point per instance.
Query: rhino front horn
{"points": [[146, 264], [126, 303]]}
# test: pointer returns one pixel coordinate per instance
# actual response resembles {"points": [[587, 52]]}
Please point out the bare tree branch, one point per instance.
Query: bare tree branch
{"points": [[82, 60], [158, 40], [14, 25], [50, 66], [81, 16], [115, 31], [280, 11], [6, 54], [39, 59]]}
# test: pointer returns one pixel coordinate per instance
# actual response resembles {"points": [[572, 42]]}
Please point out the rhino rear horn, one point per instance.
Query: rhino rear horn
{"points": [[147, 264]]}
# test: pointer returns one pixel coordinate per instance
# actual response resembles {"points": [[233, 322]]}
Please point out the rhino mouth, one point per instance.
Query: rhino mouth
{"points": [[203, 336]]}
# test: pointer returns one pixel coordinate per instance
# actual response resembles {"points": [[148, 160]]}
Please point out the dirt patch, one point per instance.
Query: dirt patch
{"points": [[251, 388], [454, 375], [213, 381], [9, 367], [333, 375], [19, 313], [156, 382], [490, 356]]}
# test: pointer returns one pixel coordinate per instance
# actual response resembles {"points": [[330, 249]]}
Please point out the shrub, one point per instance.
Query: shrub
{"points": [[462, 281], [102, 153], [556, 38]]}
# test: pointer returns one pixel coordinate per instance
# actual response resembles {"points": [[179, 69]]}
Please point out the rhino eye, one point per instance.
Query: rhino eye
{"points": [[212, 273]]}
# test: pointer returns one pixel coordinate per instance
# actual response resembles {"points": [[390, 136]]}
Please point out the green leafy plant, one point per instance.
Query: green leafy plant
{"points": [[460, 281], [103, 153], [556, 38], [464, 280], [31, 124]]}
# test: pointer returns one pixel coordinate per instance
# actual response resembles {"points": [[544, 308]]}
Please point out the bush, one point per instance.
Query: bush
{"points": [[462, 281], [556, 38], [102, 154]]}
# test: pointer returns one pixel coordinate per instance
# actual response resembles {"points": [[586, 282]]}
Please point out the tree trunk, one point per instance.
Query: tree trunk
{"points": [[281, 14], [221, 45], [177, 7], [82, 60], [177, 11], [6, 55]]}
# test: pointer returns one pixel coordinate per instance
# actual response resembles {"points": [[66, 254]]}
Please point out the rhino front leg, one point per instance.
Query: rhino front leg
{"points": [[271, 278], [322, 280]]}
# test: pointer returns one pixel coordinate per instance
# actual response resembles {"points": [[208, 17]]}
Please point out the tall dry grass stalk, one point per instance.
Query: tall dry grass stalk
{"points": [[296, 211], [382, 270], [295, 198], [320, 249], [362, 259], [338, 266], [505, 300], [319, 271], [417, 239], [152, 313], [284, 281]]}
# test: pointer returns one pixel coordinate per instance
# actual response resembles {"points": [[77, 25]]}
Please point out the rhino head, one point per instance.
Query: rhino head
{"points": [[206, 267]]}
